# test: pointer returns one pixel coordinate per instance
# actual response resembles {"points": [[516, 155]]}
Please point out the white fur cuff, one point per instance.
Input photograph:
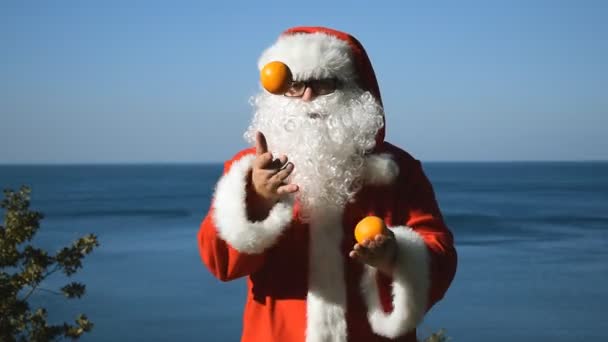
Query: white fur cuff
{"points": [[411, 282], [230, 213]]}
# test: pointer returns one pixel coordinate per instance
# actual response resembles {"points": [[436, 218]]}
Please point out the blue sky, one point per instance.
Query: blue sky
{"points": [[148, 81]]}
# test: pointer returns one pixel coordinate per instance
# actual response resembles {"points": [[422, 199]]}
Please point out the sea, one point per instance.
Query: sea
{"points": [[532, 239]]}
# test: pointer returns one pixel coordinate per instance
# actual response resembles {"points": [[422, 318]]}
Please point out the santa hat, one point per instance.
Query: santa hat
{"points": [[320, 52]]}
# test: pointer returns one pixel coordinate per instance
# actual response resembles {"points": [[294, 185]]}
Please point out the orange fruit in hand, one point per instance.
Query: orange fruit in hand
{"points": [[368, 228], [275, 77]]}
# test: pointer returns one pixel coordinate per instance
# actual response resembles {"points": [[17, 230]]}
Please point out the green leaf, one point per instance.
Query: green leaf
{"points": [[74, 290]]}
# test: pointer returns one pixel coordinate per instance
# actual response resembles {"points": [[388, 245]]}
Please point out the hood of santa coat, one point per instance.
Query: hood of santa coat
{"points": [[320, 52]]}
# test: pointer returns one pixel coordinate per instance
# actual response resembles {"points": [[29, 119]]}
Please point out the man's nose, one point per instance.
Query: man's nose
{"points": [[308, 95]]}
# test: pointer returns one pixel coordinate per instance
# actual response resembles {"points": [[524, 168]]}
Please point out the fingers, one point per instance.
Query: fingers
{"points": [[370, 248], [287, 189], [274, 171], [279, 178], [283, 160], [271, 182], [261, 146], [374, 243], [266, 161], [263, 161], [282, 175], [269, 174], [277, 164], [378, 241], [360, 253]]}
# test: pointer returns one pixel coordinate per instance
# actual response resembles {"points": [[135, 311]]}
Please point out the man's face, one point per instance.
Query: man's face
{"points": [[309, 90], [325, 132]]}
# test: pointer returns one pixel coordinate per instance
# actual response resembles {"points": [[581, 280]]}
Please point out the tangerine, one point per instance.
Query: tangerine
{"points": [[275, 77], [368, 228]]}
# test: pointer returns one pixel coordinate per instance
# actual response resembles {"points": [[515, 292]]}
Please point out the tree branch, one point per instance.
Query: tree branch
{"points": [[50, 291], [38, 283]]}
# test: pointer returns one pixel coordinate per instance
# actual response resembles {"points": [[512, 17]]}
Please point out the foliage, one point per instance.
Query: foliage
{"points": [[24, 267], [438, 336]]}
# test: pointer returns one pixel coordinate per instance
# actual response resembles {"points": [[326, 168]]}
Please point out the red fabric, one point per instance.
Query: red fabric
{"points": [[367, 76], [277, 279]]}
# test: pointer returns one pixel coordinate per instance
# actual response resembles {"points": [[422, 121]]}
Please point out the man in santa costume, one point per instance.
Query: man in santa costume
{"points": [[284, 211]]}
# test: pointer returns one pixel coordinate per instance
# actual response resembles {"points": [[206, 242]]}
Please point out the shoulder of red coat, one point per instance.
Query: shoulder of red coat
{"points": [[238, 156], [243, 153], [403, 158]]}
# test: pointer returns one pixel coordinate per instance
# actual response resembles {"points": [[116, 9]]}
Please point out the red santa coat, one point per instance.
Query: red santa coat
{"points": [[302, 286]]}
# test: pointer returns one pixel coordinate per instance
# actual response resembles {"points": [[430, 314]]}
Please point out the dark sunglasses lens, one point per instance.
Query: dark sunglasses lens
{"points": [[296, 89], [325, 87]]}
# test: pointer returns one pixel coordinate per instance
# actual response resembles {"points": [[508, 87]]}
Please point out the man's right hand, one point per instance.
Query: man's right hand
{"points": [[268, 174]]}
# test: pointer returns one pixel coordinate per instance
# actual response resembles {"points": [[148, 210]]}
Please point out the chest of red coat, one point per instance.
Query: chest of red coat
{"points": [[285, 272]]}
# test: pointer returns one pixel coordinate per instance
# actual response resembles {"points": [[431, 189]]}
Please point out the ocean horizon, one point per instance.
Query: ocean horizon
{"points": [[531, 237]]}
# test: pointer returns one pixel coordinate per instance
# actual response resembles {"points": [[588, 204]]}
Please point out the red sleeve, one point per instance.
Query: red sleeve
{"points": [[223, 260], [230, 244], [425, 261], [425, 218]]}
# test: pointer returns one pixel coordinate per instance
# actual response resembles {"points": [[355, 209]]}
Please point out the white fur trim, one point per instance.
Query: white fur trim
{"points": [[380, 169], [326, 298], [230, 213], [312, 56], [411, 282]]}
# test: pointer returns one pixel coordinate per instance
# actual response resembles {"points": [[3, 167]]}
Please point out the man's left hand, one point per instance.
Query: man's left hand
{"points": [[379, 252]]}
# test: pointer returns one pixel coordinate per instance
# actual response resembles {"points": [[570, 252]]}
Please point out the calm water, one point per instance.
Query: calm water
{"points": [[532, 240]]}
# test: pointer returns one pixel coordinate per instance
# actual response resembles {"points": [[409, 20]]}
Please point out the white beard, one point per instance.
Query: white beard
{"points": [[326, 140]]}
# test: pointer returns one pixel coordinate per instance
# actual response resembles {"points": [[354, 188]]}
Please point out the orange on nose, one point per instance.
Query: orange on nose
{"points": [[275, 77], [368, 228]]}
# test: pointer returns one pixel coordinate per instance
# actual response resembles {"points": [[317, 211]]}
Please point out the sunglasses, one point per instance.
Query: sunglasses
{"points": [[319, 87]]}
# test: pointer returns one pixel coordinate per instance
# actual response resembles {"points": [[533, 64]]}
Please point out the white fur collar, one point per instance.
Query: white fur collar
{"points": [[380, 169]]}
